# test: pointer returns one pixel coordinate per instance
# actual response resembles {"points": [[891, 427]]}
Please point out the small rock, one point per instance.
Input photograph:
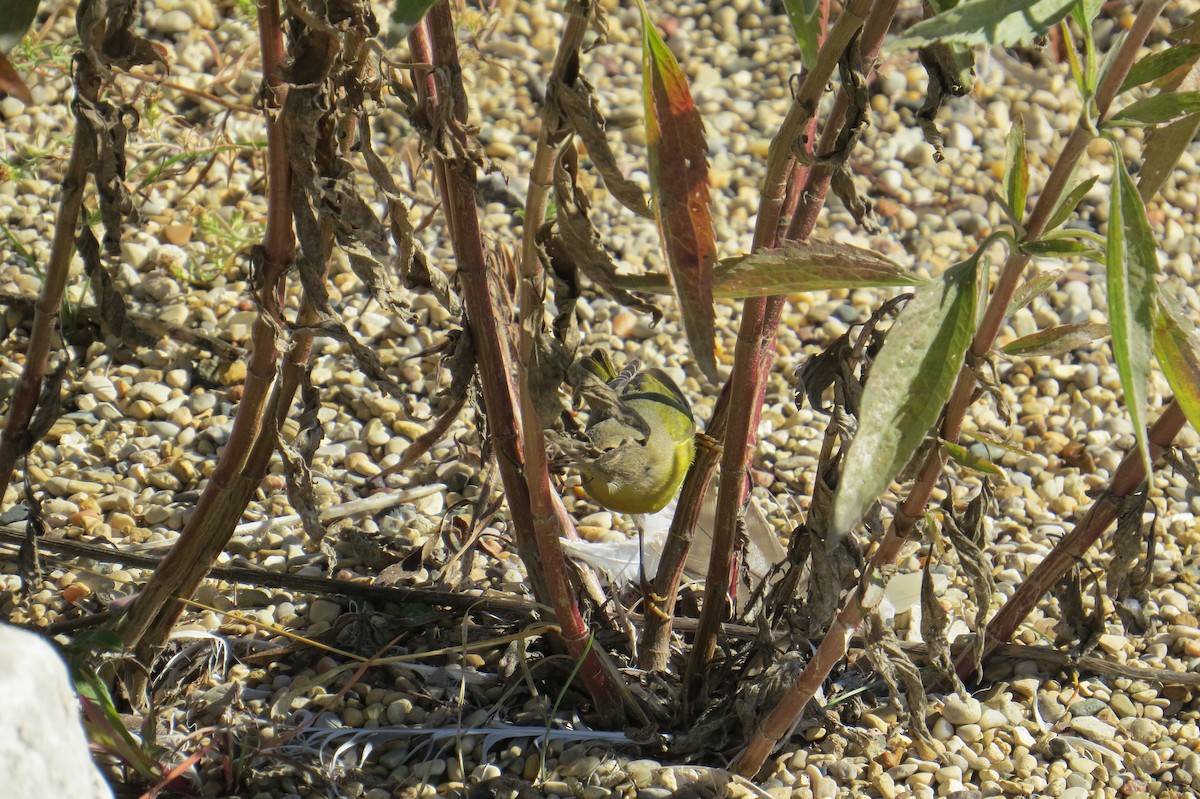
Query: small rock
{"points": [[42, 743], [99, 387], [1093, 728], [962, 710], [174, 22], [324, 610], [991, 718], [1087, 707]]}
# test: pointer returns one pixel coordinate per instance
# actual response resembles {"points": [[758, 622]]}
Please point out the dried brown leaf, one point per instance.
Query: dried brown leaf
{"points": [[935, 622], [297, 463], [49, 407], [104, 128], [364, 356], [895, 667], [969, 538], [578, 104], [29, 561], [11, 83], [1130, 543], [110, 302], [415, 270], [572, 246]]}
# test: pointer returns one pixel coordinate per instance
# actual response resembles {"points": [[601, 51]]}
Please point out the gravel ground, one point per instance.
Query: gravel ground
{"points": [[142, 430]]}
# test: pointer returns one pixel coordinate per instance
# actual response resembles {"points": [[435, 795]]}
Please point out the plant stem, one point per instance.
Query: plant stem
{"points": [[816, 185], [755, 346], [58, 269], [868, 593], [148, 623], [1073, 546], [537, 513], [541, 174]]}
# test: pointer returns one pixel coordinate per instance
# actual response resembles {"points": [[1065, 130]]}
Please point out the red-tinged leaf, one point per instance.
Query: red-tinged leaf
{"points": [[678, 159], [11, 83], [1056, 340], [1178, 354]]}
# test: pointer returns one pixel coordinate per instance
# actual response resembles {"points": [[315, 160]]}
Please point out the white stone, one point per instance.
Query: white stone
{"points": [[962, 710], [42, 743]]}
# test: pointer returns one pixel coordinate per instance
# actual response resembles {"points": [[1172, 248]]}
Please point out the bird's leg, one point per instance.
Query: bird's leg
{"points": [[651, 600]]}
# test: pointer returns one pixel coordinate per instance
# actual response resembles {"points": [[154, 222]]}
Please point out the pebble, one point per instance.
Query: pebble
{"points": [[962, 710], [1093, 728], [323, 610]]}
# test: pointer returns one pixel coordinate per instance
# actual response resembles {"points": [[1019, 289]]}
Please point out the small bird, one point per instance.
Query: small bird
{"points": [[641, 433]]}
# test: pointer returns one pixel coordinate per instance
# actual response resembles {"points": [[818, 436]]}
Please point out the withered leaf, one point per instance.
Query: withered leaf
{"points": [[29, 562], [1129, 544], [11, 83], [571, 245], [110, 302], [415, 270], [361, 235], [578, 103], [49, 407], [895, 667], [104, 127], [364, 356], [968, 536], [935, 622], [297, 463]]}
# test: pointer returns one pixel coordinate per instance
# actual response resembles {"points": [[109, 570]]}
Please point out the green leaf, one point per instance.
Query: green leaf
{"points": [[405, 16], [991, 442], [964, 457], [1079, 73], [677, 156], [1032, 288], [1162, 149], [1176, 348], [1016, 170], [1131, 264], [910, 381], [1069, 202], [1085, 13], [1056, 340], [1061, 248], [1156, 65], [1158, 109], [987, 22], [806, 24], [812, 265]]}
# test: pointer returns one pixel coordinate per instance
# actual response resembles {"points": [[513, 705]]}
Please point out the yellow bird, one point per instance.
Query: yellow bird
{"points": [[641, 433]]}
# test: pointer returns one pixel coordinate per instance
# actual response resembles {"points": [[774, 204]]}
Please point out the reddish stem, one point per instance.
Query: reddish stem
{"points": [[539, 525], [754, 350], [869, 591], [149, 621]]}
